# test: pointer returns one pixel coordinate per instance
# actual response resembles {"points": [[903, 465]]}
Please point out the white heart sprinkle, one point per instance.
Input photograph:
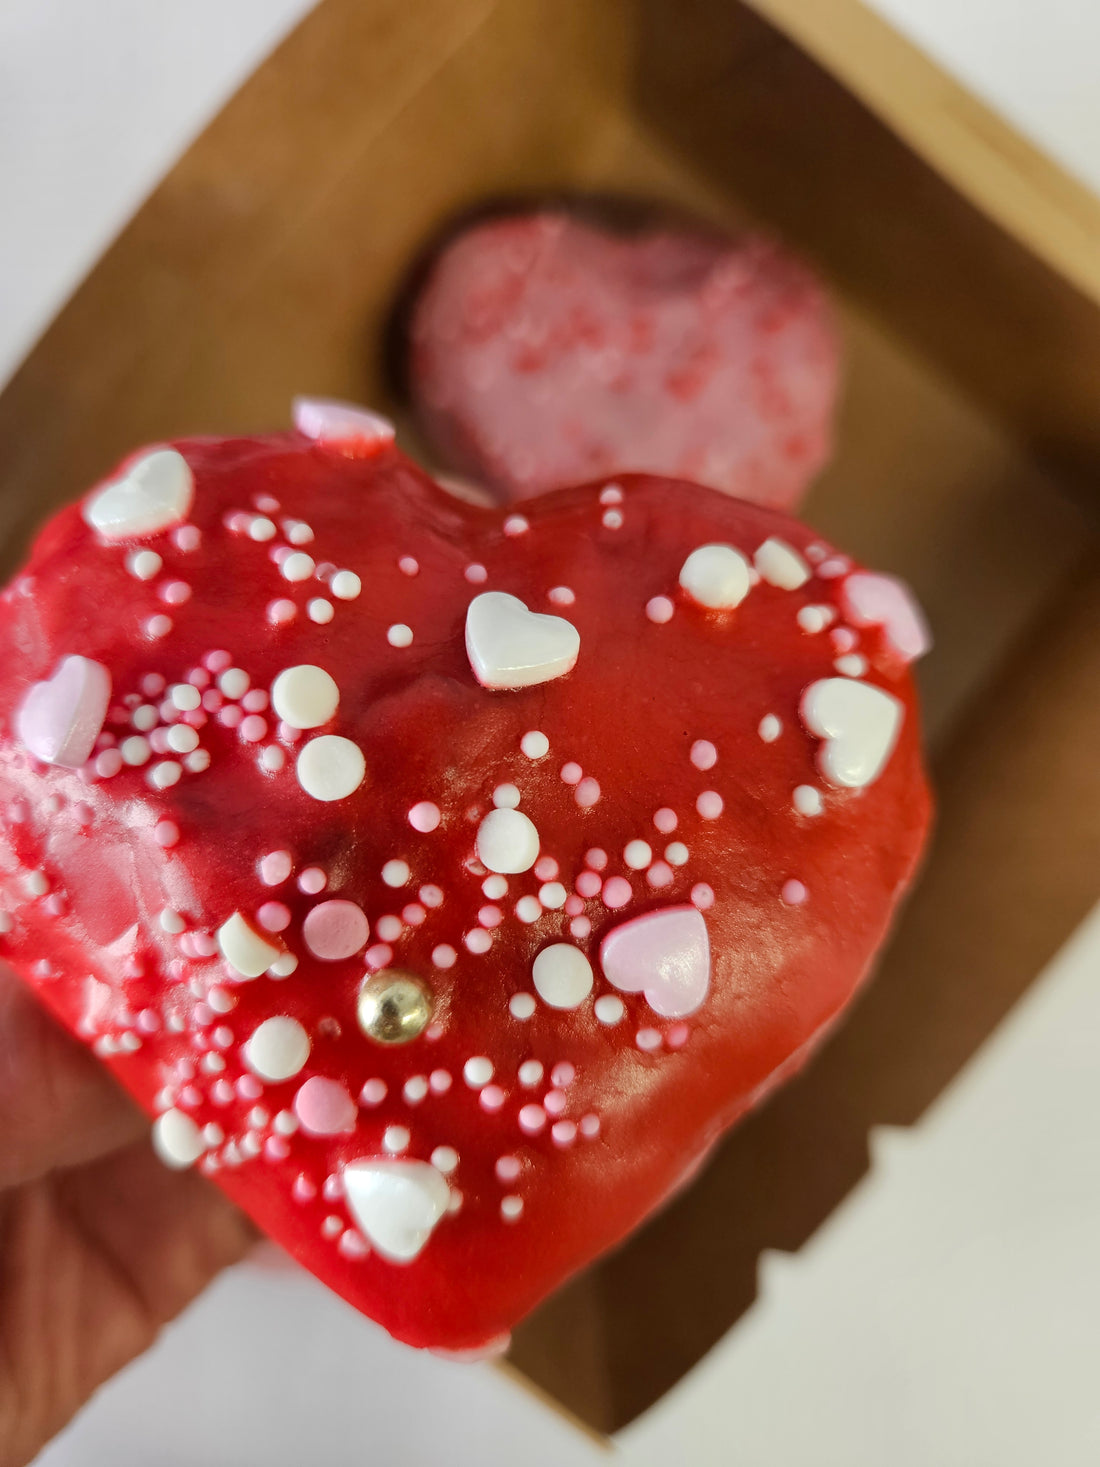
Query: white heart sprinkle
{"points": [[277, 1050], [859, 724], [512, 647], [177, 1140], [328, 420], [781, 565], [244, 949], [331, 768], [717, 576], [154, 492], [507, 842], [397, 1204]]}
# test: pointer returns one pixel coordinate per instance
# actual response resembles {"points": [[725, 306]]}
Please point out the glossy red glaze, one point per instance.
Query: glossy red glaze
{"points": [[640, 696]]}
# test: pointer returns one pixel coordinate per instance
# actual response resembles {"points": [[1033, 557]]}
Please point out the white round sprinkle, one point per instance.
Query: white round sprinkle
{"points": [[145, 718], [770, 728], [613, 519], [676, 854], [852, 664], [272, 758], [177, 1140], [277, 1050], [638, 855], [415, 1089], [135, 751], [399, 635], [283, 966], [185, 697], [659, 609], [395, 873], [298, 532], [395, 1139], [710, 804], [807, 800], [516, 524], [495, 887], [815, 618], [424, 817], [528, 909], [305, 696], [521, 1005], [562, 596], [609, 1008], [506, 797], [535, 744], [507, 842], [511, 1207], [477, 1071], [171, 921], [345, 585], [320, 610], [164, 775], [182, 738], [530, 1073], [261, 528], [478, 940], [285, 1123], [716, 576], [781, 565], [198, 761], [331, 768], [144, 564], [298, 567], [562, 975], [703, 754], [553, 895], [445, 1159], [234, 682]]}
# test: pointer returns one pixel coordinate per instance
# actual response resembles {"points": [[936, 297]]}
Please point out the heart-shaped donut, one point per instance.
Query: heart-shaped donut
{"points": [[441, 880]]}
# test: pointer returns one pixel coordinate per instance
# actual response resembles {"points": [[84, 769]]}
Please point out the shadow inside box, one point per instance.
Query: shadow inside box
{"points": [[993, 907]]}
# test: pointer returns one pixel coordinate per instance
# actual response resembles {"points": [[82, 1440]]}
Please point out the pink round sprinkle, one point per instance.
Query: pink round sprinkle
{"points": [[710, 804], [587, 793], [254, 701], [85, 815], [574, 905], [564, 1132], [532, 1118], [571, 772], [491, 1098], [388, 927], [221, 1092], [703, 754], [476, 573], [153, 684], [844, 639], [589, 1125], [253, 729], [217, 661], [588, 884], [312, 880], [108, 763], [175, 593], [702, 896], [335, 930], [198, 677], [596, 858], [413, 915], [431, 896], [516, 524], [408, 566], [659, 875], [276, 1148], [324, 1107], [187, 538], [659, 609], [273, 916], [648, 1039], [281, 611], [373, 1092], [546, 868], [580, 927], [275, 867], [439, 1082], [204, 943], [666, 820], [794, 893], [424, 817], [158, 741], [611, 495], [617, 891], [478, 940], [212, 700], [379, 956], [304, 1189], [677, 1036], [562, 596], [272, 758], [287, 734], [507, 1168], [158, 626], [230, 715], [563, 1074], [166, 833], [444, 956], [249, 1088], [490, 916], [554, 1102]]}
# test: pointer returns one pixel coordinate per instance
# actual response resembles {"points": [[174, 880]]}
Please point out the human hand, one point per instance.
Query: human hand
{"points": [[100, 1244]]}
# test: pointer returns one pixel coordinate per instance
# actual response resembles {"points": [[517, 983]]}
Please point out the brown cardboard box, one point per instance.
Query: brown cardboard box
{"points": [[266, 264]]}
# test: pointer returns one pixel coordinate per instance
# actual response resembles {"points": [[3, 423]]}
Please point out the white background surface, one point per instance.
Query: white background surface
{"points": [[949, 1313]]}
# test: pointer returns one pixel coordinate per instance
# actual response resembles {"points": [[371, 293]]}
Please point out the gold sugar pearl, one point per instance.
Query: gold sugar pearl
{"points": [[394, 1007]]}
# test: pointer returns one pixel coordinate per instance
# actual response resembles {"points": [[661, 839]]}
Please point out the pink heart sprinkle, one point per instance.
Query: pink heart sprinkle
{"points": [[665, 955], [869, 599], [59, 720]]}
